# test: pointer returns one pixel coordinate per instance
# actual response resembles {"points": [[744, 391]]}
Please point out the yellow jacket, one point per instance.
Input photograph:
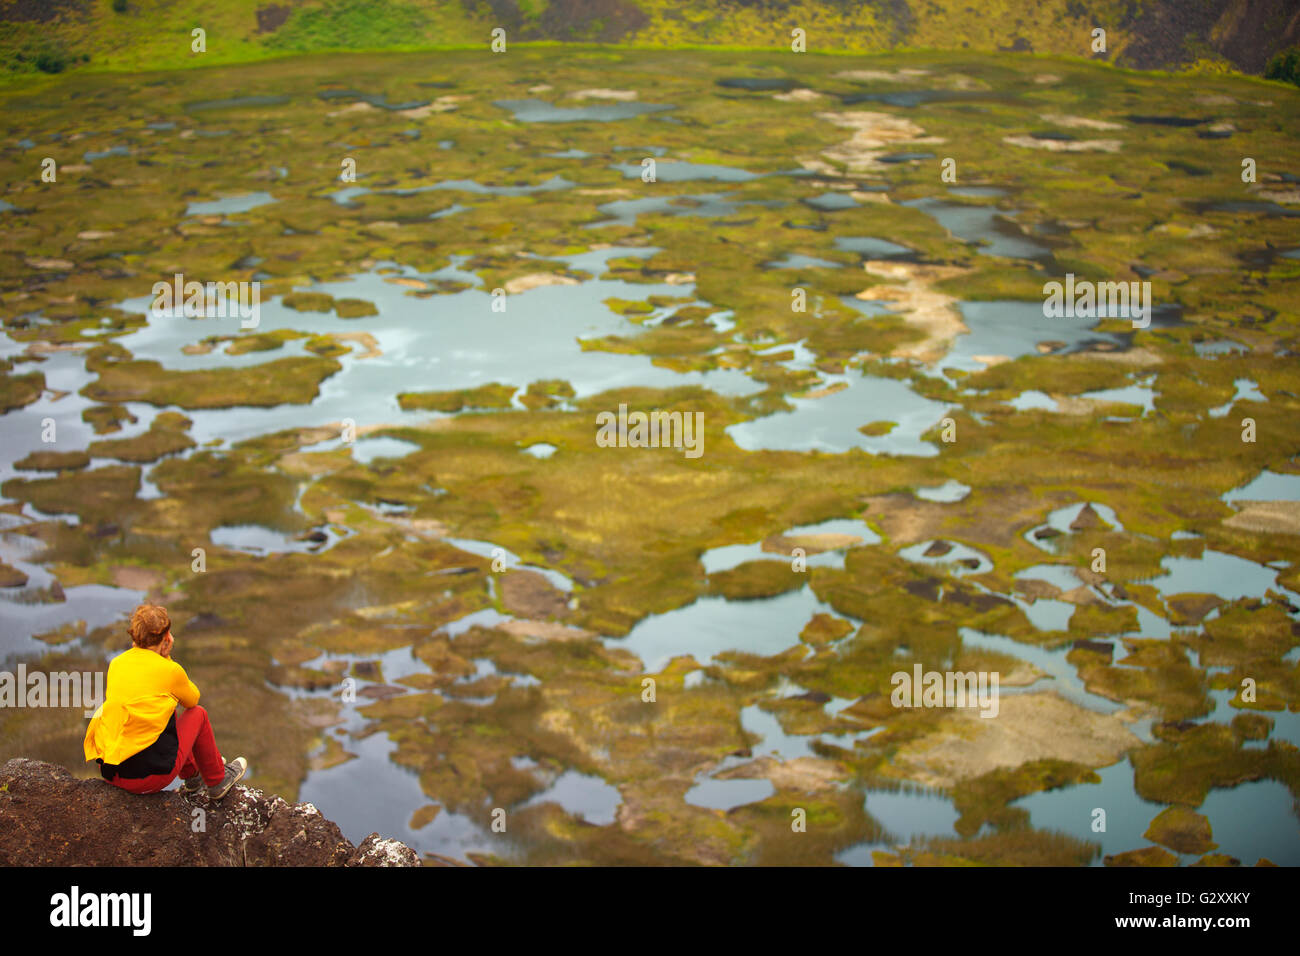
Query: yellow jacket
{"points": [[143, 689]]}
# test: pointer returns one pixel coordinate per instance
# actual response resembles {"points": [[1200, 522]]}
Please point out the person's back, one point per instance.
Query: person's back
{"points": [[139, 704], [135, 734]]}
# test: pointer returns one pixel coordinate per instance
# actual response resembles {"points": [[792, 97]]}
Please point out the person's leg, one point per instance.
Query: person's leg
{"points": [[196, 751], [143, 785]]}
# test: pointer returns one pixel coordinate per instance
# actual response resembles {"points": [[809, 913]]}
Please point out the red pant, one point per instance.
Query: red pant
{"points": [[196, 752]]}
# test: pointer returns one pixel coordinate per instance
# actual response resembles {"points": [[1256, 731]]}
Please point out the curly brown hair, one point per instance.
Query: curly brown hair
{"points": [[149, 625]]}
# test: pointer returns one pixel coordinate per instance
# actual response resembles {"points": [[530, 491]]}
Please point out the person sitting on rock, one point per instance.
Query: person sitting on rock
{"points": [[135, 735]]}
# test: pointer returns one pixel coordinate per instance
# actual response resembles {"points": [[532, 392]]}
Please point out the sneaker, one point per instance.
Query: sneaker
{"points": [[192, 786], [235, 770]]}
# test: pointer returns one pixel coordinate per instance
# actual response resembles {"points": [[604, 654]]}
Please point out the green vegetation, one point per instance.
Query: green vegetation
{"points": [[1285, 66], [285, 380], [19, 390], [149, 34], [629, 528], [494, 395], [352, 25]]}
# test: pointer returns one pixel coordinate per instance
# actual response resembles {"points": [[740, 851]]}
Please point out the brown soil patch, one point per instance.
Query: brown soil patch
{"points": [[544, 630], [1028, 727], [524, 283], [137, 579], [1267, 517], [528, 594], [910, 292], [873, 135], [808, 774], [1066, 146]]}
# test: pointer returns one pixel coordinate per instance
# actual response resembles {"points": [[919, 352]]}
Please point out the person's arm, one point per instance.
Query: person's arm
{"points": [[183, 689]]}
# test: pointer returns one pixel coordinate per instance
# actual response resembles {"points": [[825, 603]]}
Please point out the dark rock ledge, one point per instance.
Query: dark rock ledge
{"points": [[48, 817]]}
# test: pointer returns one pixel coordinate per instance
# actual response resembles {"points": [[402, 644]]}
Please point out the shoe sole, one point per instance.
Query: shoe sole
{"points": [[227, 787]]}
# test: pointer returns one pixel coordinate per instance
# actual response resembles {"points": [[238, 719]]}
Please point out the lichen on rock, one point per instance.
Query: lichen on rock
{"points": [[48, 817]]}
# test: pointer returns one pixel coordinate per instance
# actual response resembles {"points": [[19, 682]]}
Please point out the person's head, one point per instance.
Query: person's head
{"points": [[150, 627]]}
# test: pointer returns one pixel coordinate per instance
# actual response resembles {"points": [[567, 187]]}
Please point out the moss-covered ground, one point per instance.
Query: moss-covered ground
{"points": [[261, 634]]}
